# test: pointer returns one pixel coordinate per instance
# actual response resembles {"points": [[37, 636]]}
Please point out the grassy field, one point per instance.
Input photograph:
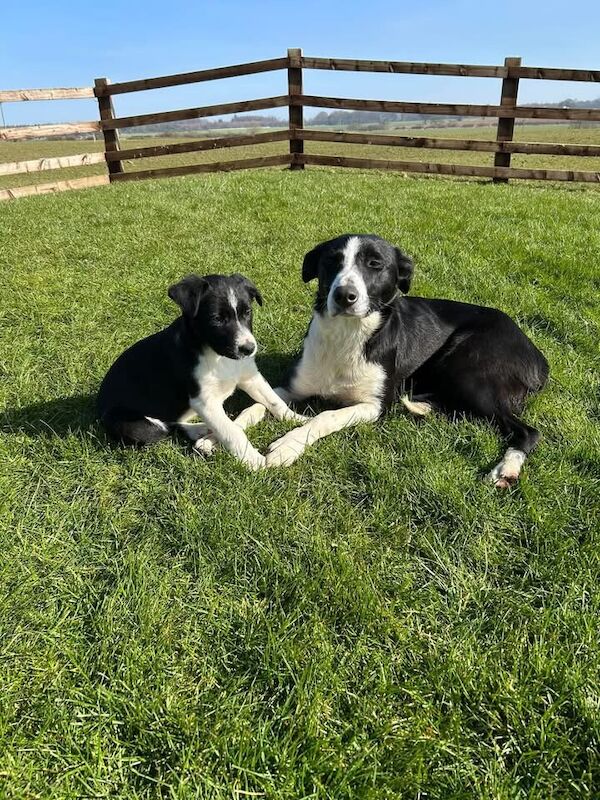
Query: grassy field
{"points": [[374, 622], [21, 151]]}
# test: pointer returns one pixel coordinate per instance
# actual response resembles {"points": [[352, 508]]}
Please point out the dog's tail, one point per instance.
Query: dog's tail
{"points": [[131, 427], [419, 408]]}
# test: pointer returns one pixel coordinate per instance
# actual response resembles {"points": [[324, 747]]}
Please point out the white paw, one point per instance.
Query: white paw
{"points": [[506, 473], [286, 450], [253, 459], [205, 445]]}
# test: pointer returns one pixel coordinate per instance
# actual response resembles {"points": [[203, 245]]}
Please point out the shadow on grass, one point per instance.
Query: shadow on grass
{"points": [[58, 417], [77, 413]]}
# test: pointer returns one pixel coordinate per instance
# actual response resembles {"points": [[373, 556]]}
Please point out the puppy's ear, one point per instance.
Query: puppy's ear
{"points": [[310, 265], [188, 293], [250, 287], [405, 270]]}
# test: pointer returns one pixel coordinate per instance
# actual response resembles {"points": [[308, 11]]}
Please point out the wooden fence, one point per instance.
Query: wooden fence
{"points": [[114, 155]]}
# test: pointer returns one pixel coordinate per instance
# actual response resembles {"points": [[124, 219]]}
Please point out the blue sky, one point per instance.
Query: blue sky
{"points": [[69, 44]]}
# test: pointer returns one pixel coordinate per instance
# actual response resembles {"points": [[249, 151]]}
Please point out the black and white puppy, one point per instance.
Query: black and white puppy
{"points": [[190, 368], [367, 345]]}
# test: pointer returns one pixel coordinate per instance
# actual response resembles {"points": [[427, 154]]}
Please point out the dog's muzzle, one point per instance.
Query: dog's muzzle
{"points": [[344, 300]]}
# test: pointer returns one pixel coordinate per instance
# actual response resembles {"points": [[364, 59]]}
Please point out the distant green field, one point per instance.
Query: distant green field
{"points": [[373, 623], [20, 151]]}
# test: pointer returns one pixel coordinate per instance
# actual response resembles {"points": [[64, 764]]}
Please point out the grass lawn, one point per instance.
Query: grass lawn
{"points": [[373, 622]]}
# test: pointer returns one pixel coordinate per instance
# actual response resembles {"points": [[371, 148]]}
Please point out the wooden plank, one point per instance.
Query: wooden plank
{"points": [[196, 113], [40, 164], [49, 188], [111, 137], [217, 166], [41, 131], [451, 169], [296, 111], [476, 145], [198, 145], [18, 95], [403, 67], [557, 74], [506, 125], [448, 109], [182, 78]]}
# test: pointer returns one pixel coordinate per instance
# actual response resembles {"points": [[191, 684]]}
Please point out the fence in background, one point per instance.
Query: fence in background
{"points": [[506, 112]]}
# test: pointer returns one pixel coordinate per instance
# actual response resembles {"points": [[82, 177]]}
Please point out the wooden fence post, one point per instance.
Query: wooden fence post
{"points": [[506, 125], [296, 114], [111, 138]]}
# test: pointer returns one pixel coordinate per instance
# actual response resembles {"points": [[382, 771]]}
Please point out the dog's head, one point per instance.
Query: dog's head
{"points": [[358, 274], [217, 311]]}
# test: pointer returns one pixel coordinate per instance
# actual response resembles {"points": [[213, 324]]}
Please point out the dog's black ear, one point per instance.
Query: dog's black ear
{"points": [[310, 265], [251, 288], [405, 270], [188, 293]]}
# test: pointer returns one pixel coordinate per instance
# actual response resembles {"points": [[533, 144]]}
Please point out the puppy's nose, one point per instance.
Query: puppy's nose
{"points": [[246, 349], [345, 296]]}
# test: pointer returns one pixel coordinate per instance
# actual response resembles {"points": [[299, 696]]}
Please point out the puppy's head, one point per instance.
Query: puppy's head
{"points": [[217, 310], [358, 274]]}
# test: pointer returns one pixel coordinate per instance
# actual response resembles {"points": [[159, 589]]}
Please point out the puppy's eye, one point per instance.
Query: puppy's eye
{"points": [[374, 263]]}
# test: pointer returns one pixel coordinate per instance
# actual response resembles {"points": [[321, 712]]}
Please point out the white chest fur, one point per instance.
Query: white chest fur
{"points": [[333, 363], [217, 376]]}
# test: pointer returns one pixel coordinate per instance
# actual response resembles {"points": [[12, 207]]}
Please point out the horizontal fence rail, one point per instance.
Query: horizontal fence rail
{"points": [[41, 131], [449, 109], [477, 145], [196, 113], [41, 164], [18, 95], [200, 145], [115, 155], [196, 77], [51, 188], [402, 67]]}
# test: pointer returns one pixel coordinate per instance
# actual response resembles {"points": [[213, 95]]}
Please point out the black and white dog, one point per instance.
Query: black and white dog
{"points": [[367, 345], [189, 369]]}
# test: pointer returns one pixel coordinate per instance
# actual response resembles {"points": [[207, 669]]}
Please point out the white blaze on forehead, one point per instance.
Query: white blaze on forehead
{"points": [[232, 297], [243, 336], [350, 274]]}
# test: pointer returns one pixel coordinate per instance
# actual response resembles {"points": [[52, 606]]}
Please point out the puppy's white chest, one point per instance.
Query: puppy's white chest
{"points": [[217, 377], [333, 362]]}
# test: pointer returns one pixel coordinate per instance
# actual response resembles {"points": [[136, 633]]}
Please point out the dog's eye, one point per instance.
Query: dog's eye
{"points": [[373, 263]]}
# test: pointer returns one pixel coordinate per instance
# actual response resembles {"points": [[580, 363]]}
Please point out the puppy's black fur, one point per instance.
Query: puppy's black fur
{"points": [[148, 388]]}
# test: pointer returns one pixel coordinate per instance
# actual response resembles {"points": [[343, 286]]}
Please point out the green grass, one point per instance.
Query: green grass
{"points": [[20, 151], [373, 622]]}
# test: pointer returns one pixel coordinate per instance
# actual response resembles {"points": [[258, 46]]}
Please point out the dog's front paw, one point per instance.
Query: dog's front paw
{"points": [[253, 459], [286, 450], [205, 445]]}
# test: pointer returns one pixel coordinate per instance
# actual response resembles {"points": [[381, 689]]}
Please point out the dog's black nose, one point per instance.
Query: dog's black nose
{"points": [[345, 296], [246, 349]]}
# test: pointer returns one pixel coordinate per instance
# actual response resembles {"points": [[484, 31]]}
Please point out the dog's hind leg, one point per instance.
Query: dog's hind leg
{"points": [[522, 440], [131, 427]]}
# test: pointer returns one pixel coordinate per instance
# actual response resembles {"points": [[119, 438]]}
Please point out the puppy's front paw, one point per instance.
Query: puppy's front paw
{"points": [[205, 445], [286, 450], [253, 459]]}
